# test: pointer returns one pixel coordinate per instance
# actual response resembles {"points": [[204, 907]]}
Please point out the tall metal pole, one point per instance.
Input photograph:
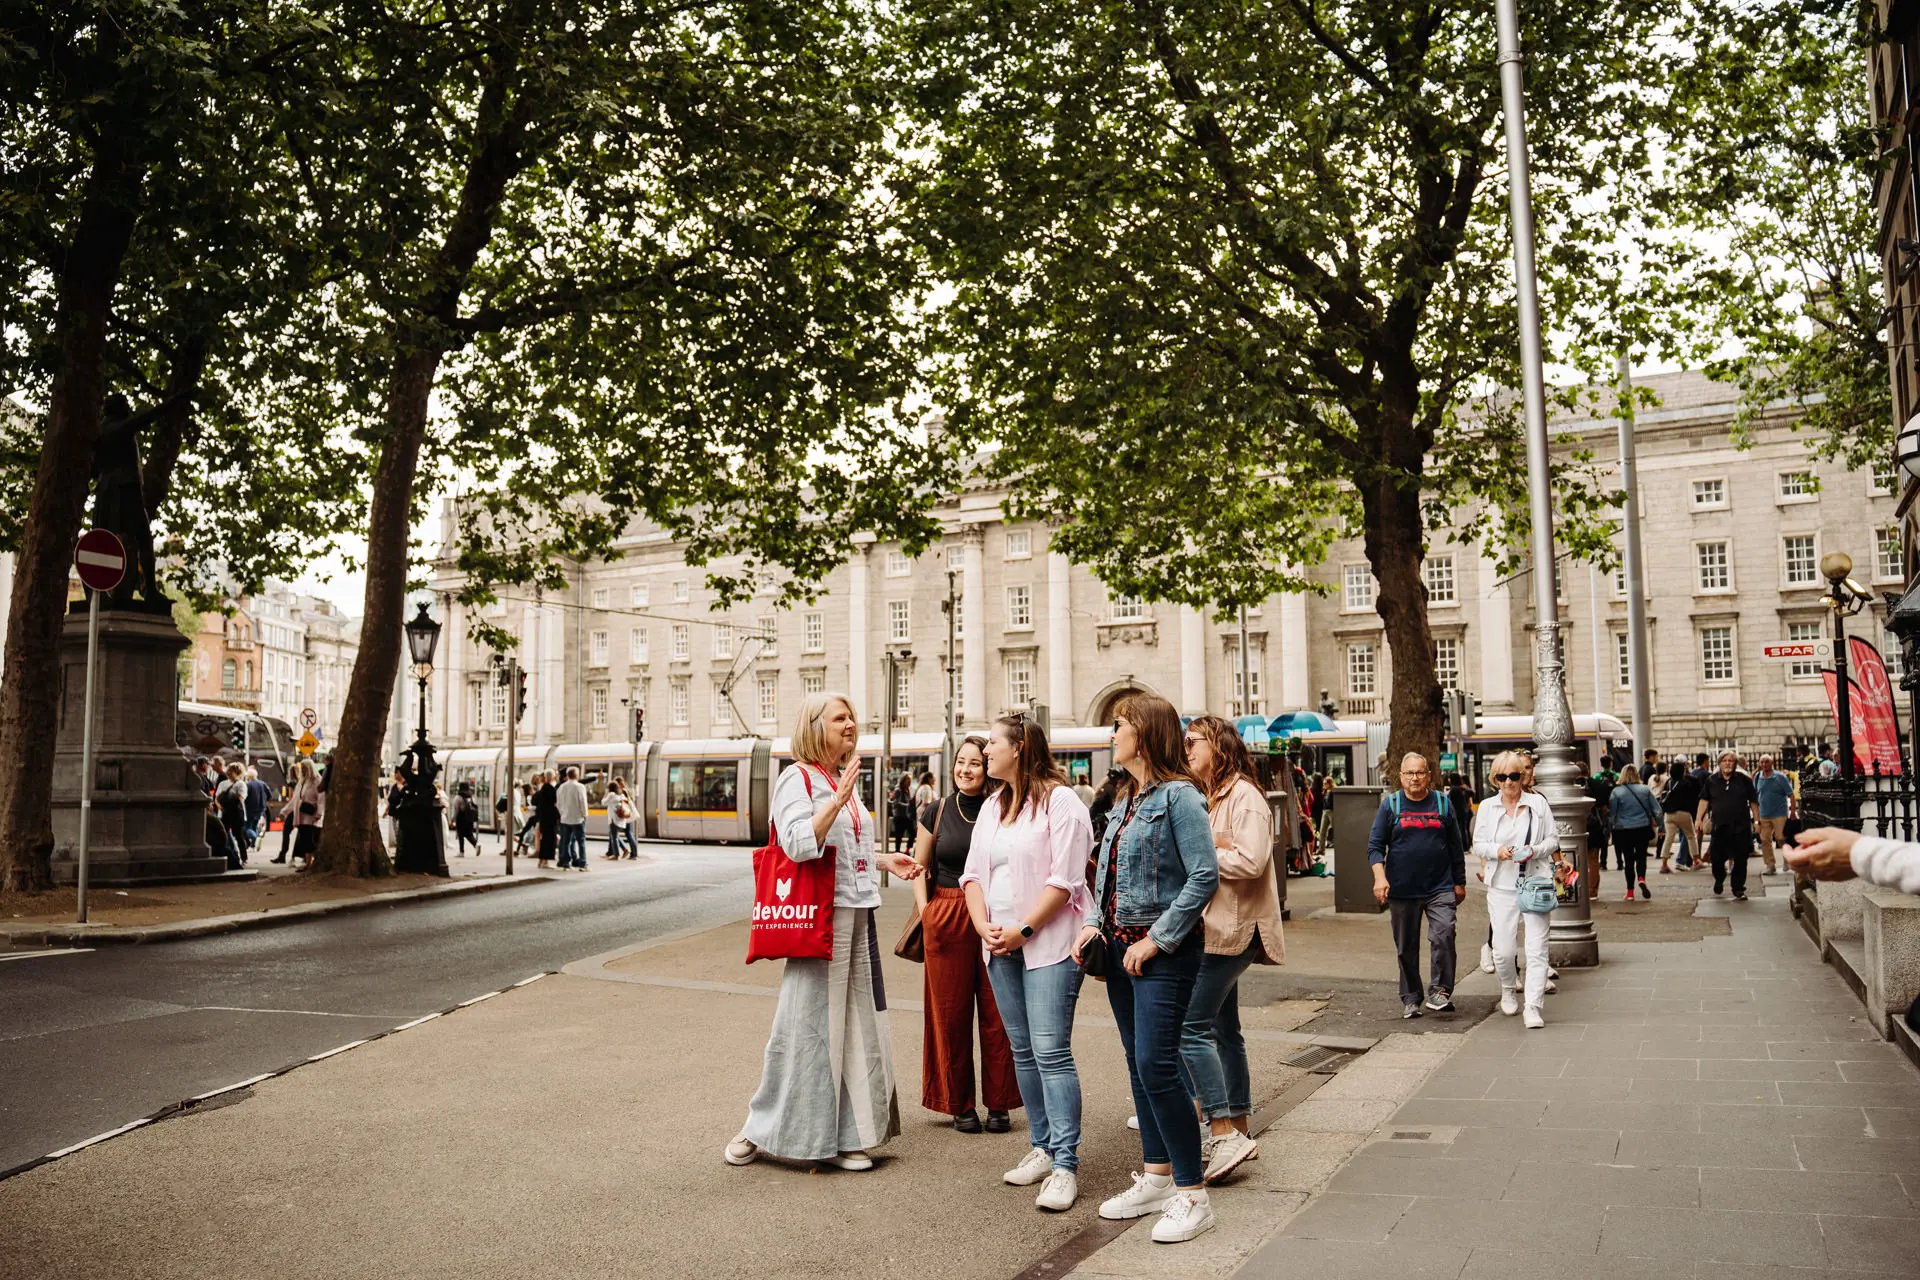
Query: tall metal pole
{"points": [[882, 782], [1246, 668], [1639, 665], [1843, 694], [513, 732], [953, 733], [86, 751], [1571, 940]]}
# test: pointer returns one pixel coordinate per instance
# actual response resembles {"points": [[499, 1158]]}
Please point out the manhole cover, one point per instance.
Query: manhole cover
{"points": [[1317, 1058]]}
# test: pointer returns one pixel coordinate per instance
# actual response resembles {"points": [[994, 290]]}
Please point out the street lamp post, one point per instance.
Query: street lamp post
{"points": [[422, 845], [1844, 598], [1571, 940]]}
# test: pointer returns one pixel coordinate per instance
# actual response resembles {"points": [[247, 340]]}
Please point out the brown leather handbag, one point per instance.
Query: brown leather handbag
{"points": [[913, 939]]}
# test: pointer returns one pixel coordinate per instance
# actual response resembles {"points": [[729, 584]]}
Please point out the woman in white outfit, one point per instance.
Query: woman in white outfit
{"points": [[1514, 836]]}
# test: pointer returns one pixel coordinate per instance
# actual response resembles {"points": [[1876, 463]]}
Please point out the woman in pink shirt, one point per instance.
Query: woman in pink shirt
{"points": [[1026, 887]]}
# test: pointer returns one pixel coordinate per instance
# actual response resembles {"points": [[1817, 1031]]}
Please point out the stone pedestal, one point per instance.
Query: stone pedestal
{"points": [[149, 817]]}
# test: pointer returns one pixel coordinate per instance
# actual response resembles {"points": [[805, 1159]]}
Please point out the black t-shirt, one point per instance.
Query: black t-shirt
{"points": [[1728, 798], [954, 819], [1683, 794]]}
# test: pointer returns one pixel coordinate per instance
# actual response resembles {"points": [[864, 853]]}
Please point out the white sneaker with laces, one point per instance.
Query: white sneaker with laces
{"points": [[1148, 1194], [1533, 1020], [1186, 1215], [1133, 1122], [1033, 1167], [851, 1161], [1486, 957], [740, 1151], [1509, 1002], [1229, 1150], [1061, 1190], [1209, 1142]]}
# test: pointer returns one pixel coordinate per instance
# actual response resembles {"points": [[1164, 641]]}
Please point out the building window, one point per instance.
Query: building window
{"points": [[1709, 495], [498, 706], [1803, 633], [229, 674], [957, 556], [1711, 560], [899, 621], [723, 640], [1361, 675], [479, 705], [1619, 580], [602, 597], [1446, 661], [1128, 608], [1716, 655], [1889, 558], [956, 691], [597, 648], [813, 682], [1019, 544], [722, 710], [1240, 704], [769, 699], [682, 642], [813, 633], [1357, 587], [902, 691], [1882, 478], [1437, 572], [1019, 682], [680, 593], [1019, 608], [1798, 486], [769, 637], [679, 701], [597, 700], [1622, 661], [637, 594], [637, 646], [1716, 745], [1803, 565], [898, 565], [1891, 655]]}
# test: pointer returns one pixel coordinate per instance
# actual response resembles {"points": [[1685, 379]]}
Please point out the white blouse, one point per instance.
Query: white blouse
{"points": [[1529, 830], [856, 877]]}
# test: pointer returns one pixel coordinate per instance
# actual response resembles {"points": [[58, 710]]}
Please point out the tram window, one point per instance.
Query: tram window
{"points": [[703, 787], [1337, 768], [1079, 769], [595, 778]]}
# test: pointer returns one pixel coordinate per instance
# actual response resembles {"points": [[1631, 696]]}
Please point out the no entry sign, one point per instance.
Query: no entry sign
{"points": [[101, 560]]}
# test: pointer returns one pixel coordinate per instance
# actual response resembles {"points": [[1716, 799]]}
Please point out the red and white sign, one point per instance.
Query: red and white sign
{"points": [[1803, 651], [101, 560], [1876, 733]]}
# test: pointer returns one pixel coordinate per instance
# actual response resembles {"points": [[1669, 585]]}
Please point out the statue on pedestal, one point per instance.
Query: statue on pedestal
{"points": [[120, 504]]}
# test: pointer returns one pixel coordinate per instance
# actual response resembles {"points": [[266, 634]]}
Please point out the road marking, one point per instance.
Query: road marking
{"points": [[477, 999], [36, 955], [417, 1021], [351, 1044], [525, 981], [214, 1093], [310, 1013], [101, 1137]]}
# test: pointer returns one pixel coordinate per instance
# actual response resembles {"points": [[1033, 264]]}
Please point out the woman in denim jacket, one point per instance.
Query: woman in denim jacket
{"points": [[1157, 872]]}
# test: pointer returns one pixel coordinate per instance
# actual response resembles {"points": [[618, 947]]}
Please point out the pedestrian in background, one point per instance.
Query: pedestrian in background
{"points": [[1419, 872], [1157, 872], [826, 1086], [1026, 893], [1776, 805], [1242, 928], [900, 811], [1635, 815], [925, 797], [1514, 838], [546, 816], [259, 797], [1729, 808], [466, 821], [231, 796], [1677, 802], [572, 802], [956, 981], [304, 811], [622, 817]]}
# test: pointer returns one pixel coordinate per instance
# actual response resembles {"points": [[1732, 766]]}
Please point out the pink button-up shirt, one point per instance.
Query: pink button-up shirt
{"points": [[1045, 850]]}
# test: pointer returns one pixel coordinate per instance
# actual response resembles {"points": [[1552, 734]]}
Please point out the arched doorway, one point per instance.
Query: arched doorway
{"points": [[1100, 710]]}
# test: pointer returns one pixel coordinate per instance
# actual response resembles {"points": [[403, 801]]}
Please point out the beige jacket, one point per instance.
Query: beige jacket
{"points": [[1248, 896]]}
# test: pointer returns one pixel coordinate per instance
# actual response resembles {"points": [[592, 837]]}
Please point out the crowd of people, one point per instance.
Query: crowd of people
{"points": [[239, 804], [1164, 889]]}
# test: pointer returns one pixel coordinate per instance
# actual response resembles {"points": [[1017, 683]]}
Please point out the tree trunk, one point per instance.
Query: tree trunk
{"points": [[1395, 537], [30, 691], [169, 434]]}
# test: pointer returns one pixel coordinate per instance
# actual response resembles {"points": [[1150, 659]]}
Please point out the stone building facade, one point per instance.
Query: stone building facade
{"points": [[1728, 533]]}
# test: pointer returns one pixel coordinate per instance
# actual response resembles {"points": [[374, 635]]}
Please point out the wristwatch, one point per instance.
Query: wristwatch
{"points": [[1026, 930]]}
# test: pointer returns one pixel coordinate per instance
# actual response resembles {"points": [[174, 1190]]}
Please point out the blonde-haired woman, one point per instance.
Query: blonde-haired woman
{"points": [[1514, 837], [826, 1090], [304, 810]]}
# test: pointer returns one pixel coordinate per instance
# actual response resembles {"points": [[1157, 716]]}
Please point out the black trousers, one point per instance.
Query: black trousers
{"points": [[1730, 844], [1630, 843]]}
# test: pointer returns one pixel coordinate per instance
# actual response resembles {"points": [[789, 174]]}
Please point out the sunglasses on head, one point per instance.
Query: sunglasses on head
{"points": [[1509, 777]]}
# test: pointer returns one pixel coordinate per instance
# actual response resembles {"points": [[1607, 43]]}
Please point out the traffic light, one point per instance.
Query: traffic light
{"points": [[240, 736], [639, 724], [520, 705]]}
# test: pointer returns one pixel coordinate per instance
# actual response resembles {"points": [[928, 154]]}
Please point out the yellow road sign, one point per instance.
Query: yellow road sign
{"points": [[308, 744]]}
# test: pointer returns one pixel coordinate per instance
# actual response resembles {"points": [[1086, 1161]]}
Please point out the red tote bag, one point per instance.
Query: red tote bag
{"points": [[792, 902]]}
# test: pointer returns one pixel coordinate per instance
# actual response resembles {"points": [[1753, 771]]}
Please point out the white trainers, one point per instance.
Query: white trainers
{"points": [[1149, 1193], [1133, 1122], [1509, 1002], [1229, 1150], [851, 1161], [1533, 1019], [1186, 1215], [740, 1151], [1033, 1167], [1061, 1190], [1486, 957]]}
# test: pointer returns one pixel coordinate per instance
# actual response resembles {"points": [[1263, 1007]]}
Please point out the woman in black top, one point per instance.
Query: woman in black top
{"points": [[956, 982]]}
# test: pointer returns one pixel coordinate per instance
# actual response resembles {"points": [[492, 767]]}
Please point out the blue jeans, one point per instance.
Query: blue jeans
{"points": [[1213, 1055], [617, 836], [1151, 1010], [1036, 1005], [573, 836]]}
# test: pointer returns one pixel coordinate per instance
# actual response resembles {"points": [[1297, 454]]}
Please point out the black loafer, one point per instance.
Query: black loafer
{"points": [[999, 1122], [967, 1122]]}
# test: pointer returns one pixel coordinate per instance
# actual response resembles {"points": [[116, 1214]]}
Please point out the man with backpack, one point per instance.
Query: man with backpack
{"points": [[1419, 871]]}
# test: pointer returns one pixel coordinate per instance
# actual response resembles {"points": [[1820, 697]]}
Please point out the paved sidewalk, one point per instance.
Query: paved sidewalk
{"points": [[1715, 1108]]}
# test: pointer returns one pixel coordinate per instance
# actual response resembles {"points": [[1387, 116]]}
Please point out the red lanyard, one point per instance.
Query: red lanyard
{"points": [[854, 808]]}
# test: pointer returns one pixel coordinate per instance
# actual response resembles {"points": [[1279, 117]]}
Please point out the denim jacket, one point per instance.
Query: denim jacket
{"points": [[1168, 870]]}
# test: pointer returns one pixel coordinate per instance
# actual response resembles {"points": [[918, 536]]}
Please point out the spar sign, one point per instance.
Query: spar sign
{"points": [[1876, 733]]}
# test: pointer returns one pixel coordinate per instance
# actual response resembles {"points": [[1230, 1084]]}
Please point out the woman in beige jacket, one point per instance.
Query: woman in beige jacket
{"points": [[1243, 928]]}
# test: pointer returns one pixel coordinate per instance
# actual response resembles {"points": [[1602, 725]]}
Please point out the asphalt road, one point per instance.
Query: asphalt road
{"points": [[91, 1041]]}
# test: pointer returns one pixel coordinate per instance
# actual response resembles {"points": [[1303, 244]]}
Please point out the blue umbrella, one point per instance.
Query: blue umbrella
{"points": [[1252, 730], [1293, 723]]}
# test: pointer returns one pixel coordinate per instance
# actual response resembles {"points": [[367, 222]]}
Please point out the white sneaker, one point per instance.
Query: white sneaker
{"points": [[1133, 1122], [1033, 1167], [1149, 1193], [1553, 987], [851, 1161], [1061, 1190], [1533, 1019], [1486, 957], [1209, 1143], [1229, 1149], [740, 1151], [1187, 1214], [1509, 1002]]}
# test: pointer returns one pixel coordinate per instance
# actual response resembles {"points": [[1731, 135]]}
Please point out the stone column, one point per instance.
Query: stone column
{"points": [[973, 627], [1496, 637], [859, 672], [1296, 677], [1193, 661], [553, 672], [1060, 640]]}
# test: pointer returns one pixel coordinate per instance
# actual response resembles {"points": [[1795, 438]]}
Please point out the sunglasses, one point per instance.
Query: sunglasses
{"points": [[1509, 777], [1194, 740]]}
